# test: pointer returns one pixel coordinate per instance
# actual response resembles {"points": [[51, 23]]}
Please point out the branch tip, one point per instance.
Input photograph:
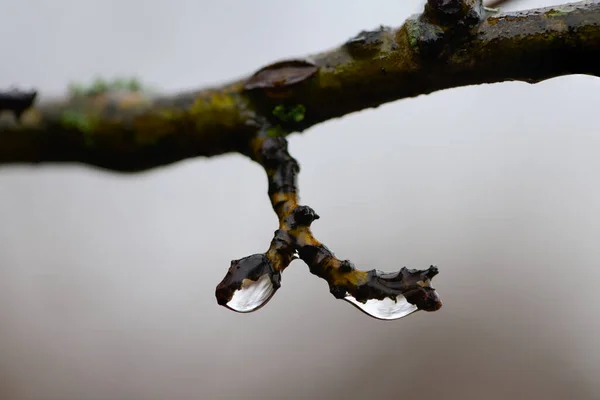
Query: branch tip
{"points": [[17, 101], [249, 284], [381, 295]]}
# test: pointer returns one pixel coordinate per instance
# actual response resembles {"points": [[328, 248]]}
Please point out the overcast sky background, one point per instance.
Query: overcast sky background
{"points": [[107, 281]]}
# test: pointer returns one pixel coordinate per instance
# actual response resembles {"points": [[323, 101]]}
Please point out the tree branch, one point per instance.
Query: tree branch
{"points": [[452, 43], [130, 130], [252, 281]]}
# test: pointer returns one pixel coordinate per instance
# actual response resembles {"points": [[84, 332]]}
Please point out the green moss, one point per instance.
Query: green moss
{"points": [[289, 114], [276, 131], [412, 29], [100, 86], [132, 84], [76, 120]]}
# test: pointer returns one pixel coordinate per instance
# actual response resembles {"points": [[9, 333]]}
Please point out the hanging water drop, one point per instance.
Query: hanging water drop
{"points": [[252, 295], [393, 295], [249, 284], [387, 308]]}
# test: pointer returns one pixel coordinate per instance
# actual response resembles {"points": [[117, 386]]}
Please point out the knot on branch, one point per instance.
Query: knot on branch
{"points": [[368, 44], [444, 26], [301, 216], [454, 13], [252, 281]]}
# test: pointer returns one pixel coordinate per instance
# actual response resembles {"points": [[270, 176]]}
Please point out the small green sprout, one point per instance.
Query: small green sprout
{"points": [[289, 114]]}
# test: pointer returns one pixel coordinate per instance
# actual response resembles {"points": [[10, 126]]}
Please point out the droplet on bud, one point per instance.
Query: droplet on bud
{"points": [[252, 295], [387, 308], [393, 295], [249, 284]]}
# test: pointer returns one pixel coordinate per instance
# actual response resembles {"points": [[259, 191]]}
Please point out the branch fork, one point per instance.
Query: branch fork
{"points": [[252, 281], [452, 43]]}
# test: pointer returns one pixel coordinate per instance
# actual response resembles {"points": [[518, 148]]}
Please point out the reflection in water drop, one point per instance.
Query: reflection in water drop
{"points": [[252, 295], [384, 309]]}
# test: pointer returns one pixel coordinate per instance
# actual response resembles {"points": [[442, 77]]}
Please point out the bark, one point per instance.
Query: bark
{"points": [[451, 44]]}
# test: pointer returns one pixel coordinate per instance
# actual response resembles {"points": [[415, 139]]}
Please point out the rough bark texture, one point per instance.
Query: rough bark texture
{"points": [[129, 130]]}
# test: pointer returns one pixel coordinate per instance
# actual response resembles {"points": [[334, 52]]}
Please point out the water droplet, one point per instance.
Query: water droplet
{"points": [[384, 309], [252, 295]]}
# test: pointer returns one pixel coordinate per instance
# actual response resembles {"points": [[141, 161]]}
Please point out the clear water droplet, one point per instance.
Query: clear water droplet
{"points": [[387, 308], [252, 295]]}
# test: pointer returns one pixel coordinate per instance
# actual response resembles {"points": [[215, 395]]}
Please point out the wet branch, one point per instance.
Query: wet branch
{"points": [[252, 281], [453, 43]]}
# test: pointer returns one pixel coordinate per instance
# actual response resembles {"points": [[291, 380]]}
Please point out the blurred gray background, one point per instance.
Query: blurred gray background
{"points": [[107, 281]]}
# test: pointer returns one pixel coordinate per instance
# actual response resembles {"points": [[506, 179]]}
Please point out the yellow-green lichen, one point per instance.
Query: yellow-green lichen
{"points": [[213, 103], [555, 12]]}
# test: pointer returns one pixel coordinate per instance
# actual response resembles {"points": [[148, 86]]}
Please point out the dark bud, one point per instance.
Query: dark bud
{"points": [[448, 7], [346, 266], [421, 275], [432, 271], [412, 283], [251, 267], [454, 12], [302, 216], [425, 298]]}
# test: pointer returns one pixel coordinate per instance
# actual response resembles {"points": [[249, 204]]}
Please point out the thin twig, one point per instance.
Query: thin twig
{"points": [[407, 290]]}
